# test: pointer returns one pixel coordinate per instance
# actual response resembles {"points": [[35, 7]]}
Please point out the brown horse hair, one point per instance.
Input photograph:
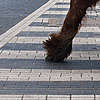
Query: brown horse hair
{"points": [[59, 46]]}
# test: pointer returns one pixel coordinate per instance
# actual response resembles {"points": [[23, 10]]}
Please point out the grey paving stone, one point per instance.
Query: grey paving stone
{"points": [[93, 16], [27, 83], [22, 34], [24, 92], [14, 87], [49, 84], [47, 92], [7, 82], [85, 47], [36, 87], [97, 34], [20, 46], [51, 88], [6, 92], [94, 84], [70, 83], [52, 16], [66, 91], [39, 34], [97, 66], [21, 66], [8, 66], [97, 10], [18, 64], [41, 64], [1, 87], [30, 46], [24, 64], [88, 63], [8, 46], [2, 62], [90, 92], [38, 24], [62, 3], [58, 9], [90, 34], [13, 63], [69, 65], [30, 84], [86, 34]]}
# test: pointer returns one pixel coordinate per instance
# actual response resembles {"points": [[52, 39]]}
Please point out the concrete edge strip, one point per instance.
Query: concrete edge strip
{"points": [[25, 22]]}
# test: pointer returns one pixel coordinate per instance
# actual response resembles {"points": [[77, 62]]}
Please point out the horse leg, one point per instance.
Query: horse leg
{"points": [[59, 46]]}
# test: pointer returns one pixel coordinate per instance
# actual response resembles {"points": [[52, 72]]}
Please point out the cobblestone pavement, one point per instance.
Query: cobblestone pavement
{"points": [[24, 74]]}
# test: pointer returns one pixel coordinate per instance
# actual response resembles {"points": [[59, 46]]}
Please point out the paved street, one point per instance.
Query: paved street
{"points": [[25, 75], [13, 11]]}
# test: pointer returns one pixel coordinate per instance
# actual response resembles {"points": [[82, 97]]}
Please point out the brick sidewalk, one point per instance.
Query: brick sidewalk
{"points": [[24, 74]]}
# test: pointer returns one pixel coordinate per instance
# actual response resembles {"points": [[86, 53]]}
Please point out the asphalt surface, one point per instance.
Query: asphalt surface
{"points": [[13, 11]]}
